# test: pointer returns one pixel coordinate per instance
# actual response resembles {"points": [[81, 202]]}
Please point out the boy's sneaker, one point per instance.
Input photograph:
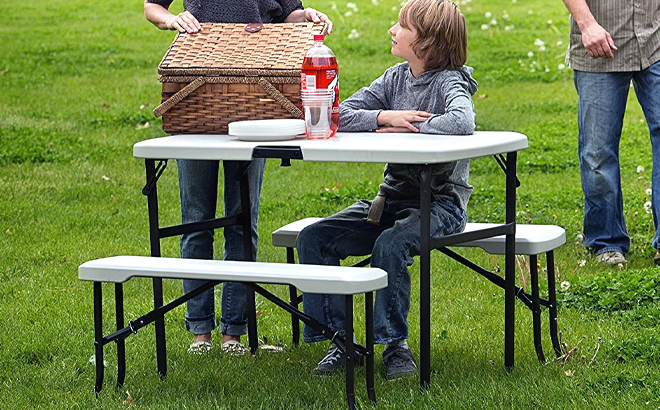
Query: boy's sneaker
{"points": [[335, 360], [399, 362]]}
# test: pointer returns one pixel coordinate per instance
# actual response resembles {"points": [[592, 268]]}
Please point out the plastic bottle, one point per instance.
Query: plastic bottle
{"points": [[319, 70]]}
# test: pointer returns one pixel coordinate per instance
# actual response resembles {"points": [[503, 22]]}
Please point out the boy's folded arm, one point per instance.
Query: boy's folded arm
{"points": [[360, 111], [458, 118]]}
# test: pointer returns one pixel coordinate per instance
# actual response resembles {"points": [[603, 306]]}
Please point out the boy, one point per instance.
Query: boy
{"points": [[429, 93]]}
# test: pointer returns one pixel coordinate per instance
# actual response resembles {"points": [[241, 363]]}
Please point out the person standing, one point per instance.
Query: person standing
{"points": [[198, 180], [613, 42]]}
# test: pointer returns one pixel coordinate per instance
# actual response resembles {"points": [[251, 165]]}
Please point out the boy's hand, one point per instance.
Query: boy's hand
{"points": [[402, 119], [184, 23]]}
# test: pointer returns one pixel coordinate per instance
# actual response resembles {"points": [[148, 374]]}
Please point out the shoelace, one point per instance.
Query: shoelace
{"points": [[334, 355]]}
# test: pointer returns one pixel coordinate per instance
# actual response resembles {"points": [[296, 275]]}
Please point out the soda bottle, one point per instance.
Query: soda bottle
{"points": [[319, 70]]}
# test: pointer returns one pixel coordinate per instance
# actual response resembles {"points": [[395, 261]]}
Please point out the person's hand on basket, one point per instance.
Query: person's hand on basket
{"points": [[184, 23], [309, 14]]}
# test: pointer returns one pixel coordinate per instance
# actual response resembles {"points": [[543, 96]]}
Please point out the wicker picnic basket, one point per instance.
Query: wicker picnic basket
{"points": [[233, 72]]}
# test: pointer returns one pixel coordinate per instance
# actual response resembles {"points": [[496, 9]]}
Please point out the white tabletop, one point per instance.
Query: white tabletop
{"points": [[402, 148]]}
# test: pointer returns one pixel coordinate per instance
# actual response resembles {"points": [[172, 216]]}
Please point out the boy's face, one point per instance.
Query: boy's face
{"points": [[402, 39]]}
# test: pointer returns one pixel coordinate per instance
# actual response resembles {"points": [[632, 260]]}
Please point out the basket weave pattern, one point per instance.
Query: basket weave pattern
{"points": [[230, 75]]}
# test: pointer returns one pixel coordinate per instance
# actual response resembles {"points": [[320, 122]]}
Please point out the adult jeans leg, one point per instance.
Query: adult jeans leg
{"points": [[601, 106], [198, 187], [647, 88], [394, 251], [234, 295], [327, 242]]}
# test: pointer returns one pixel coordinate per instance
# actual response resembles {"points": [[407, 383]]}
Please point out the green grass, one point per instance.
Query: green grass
{"points": [[78, 84]]}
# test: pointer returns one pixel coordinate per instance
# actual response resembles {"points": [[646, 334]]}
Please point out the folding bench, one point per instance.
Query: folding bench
{"points": [[340, 280], [531, 240]]}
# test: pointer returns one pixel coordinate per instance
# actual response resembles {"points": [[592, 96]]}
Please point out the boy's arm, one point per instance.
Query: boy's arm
{"points": [[157, 13], [360, 111], [458, 118]]}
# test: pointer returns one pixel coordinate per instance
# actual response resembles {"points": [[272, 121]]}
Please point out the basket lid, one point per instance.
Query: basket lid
{"points": [[223, 48]]}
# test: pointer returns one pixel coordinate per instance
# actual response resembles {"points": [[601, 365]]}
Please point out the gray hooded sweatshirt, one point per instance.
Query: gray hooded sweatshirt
{"points": [[447, 94]]}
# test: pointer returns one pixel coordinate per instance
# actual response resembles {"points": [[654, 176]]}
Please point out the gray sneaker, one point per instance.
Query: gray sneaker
{"points": [[611, 258], [399, 362], [334, 361]]}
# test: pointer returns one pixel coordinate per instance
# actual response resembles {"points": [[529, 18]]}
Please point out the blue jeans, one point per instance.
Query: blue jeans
{"points": [[198, 186], [392, 246], [602, 104]]}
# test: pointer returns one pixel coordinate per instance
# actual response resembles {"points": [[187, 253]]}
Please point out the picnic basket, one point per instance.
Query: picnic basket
{"points": [[233, 72]]}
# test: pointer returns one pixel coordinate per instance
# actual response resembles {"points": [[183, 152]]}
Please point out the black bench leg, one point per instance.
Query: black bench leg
{"points": [[121, 348], [253, 341], [98, 336], [536, 306], [159, 324], [350, 393], [552, 298], [369, 318], [293, 296]]}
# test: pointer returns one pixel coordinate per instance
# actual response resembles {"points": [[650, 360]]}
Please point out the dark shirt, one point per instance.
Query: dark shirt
{"points": [[242, 11]]}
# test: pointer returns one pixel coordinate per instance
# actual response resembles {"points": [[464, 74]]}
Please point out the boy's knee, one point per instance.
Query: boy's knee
{"points": [[307, 239]]}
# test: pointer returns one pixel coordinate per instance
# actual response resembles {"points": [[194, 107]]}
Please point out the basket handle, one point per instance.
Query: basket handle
{"points": [[280, 98], [178, 96]]}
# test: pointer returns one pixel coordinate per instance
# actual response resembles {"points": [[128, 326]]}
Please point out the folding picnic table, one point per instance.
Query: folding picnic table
{"points": [[369, 147]]}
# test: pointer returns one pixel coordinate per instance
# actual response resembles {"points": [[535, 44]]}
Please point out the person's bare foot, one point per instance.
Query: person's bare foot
{"points": [[206, 337]]}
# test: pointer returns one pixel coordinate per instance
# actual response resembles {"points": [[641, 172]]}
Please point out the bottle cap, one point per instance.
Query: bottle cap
{"points": [[318, 37]]}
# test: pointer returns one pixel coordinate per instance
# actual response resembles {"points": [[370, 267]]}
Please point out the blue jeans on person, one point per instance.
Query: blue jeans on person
{"points": [[392, 245], [198, 187], [601, 107]]}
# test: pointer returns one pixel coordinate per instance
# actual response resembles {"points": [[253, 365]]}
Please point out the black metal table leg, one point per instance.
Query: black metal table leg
{"points": [[425, 280], [98, 336], [509, 260], [536, 306], [552, 299], [369, 325], [350, 353], [246, 225], [154, 237], [121, 346]]}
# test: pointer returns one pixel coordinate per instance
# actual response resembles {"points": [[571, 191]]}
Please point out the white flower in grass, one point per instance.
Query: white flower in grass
{"points": [[493, 22], [547, 69], [333, 6], [530, 54], [542, 48], [561, 66], [649, 192], [647, 207], [348, 13], [579, 237], [374, 2], [538, 42], [488, 14], [484, 26], [530, 12], [353, 35], [565, 285], [514, 1], [640, 169], [549, 22], [560, 43], [394, 8], [508, 28], [352, 6], [505, 15]]}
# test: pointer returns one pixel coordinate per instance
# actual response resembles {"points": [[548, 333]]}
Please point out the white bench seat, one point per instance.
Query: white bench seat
{"points": [[530, 239], [337, 280]]}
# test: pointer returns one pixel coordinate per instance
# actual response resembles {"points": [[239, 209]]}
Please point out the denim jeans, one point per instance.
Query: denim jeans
{"points": [[601, 107], [198, 186], [392, 246]]}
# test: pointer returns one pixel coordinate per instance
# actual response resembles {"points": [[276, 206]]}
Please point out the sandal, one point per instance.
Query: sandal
{"points": [[200, 347], [234, 348]]}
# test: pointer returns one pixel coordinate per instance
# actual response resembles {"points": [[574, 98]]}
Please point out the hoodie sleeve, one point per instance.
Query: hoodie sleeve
{"points": [[458, 115], [360, 111]]}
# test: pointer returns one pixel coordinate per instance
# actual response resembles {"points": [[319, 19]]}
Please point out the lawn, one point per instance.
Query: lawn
{"points": [[79, 81]]}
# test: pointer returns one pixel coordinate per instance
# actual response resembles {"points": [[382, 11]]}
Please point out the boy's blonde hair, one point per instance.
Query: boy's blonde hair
{"points": [[441, 35]]}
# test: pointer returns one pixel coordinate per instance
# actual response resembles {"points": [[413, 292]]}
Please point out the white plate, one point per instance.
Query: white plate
{"points": [[268, 137], [275, 129]]}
